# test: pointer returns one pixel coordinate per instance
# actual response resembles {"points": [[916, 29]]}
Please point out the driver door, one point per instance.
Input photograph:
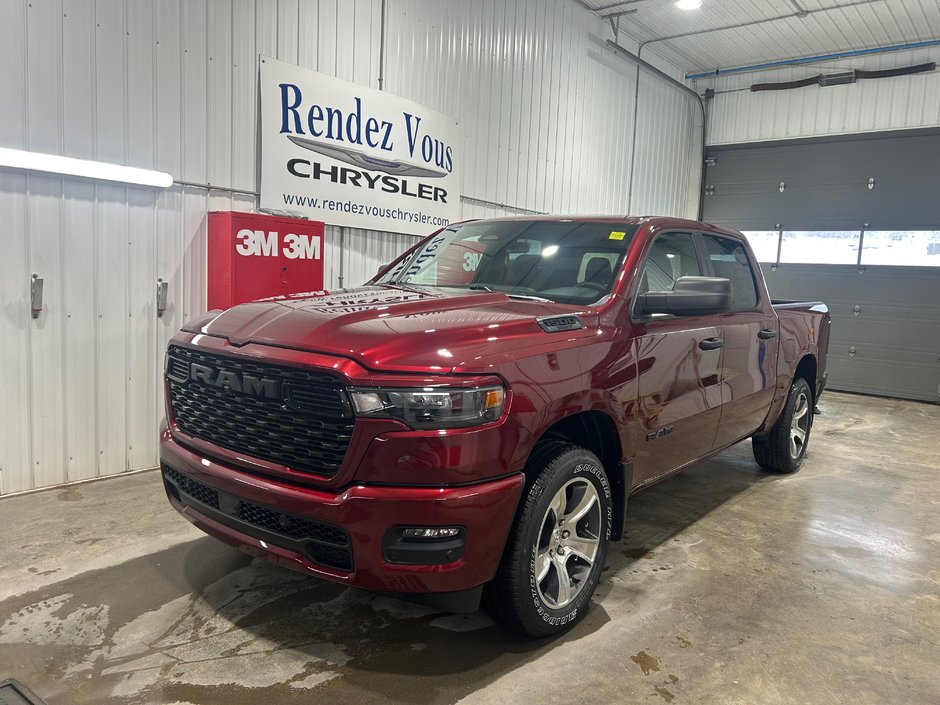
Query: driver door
{"points": [[679, 365]]}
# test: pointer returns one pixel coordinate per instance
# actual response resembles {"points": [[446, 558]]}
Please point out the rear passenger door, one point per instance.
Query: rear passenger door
{"points": [[751, 341], [679, 362]]}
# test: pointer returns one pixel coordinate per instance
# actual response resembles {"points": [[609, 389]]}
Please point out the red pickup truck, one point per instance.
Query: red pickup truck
{"points": [[473, 420]]}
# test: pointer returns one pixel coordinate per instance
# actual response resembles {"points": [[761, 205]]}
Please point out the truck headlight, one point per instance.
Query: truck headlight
{"points": [[431, 407]]}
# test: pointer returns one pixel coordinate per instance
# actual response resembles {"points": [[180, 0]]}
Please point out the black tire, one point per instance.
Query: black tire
{"points": [[516, 596], [781, 450]]}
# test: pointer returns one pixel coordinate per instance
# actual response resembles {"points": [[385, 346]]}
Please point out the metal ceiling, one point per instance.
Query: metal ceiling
{"points": [[727, 33]]}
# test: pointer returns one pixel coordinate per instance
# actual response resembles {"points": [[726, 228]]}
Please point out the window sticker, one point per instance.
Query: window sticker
{"points": [[617, 235]]}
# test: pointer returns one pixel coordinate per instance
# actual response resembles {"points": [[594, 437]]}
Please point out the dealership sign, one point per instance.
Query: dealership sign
{"points": [[350, 155]]}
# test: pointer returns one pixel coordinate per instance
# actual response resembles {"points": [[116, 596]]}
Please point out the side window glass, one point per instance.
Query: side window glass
{"points": [[729, 260], [671, 256]]}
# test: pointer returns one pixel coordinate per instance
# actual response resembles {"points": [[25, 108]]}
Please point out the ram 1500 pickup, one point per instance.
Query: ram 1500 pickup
{"points": [[473, 420]]}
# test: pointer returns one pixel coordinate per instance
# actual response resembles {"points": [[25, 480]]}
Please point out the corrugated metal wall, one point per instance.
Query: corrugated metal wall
{"points": [[545, 113], [737, 115]]}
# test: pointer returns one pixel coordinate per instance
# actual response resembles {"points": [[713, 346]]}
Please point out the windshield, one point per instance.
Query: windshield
{"points": [[562, 261]]}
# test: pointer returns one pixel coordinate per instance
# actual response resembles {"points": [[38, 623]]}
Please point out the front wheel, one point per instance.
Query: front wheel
{"points": [[558, 544], [784, 447]]}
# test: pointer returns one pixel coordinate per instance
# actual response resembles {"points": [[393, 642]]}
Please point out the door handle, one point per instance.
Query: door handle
{"points": [[767, 334], [711, 343], [35, 295]]}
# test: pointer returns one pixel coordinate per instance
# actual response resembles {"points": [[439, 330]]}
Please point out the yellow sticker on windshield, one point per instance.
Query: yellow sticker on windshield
{"points": [[617, 235]]}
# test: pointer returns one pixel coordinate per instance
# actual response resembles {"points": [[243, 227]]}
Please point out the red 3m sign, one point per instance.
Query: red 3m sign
{"points": [[253, 256]]}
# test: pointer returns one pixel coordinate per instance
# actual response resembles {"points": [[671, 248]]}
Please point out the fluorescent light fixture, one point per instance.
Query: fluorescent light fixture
{"points": [[54, 164], [689, 4]]}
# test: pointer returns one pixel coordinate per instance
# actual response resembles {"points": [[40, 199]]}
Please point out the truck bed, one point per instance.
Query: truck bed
{"points": [[816, 306]]}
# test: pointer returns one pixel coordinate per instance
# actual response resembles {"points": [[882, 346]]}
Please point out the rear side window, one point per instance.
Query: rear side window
{"points": [[728, 259], [672, 255]]}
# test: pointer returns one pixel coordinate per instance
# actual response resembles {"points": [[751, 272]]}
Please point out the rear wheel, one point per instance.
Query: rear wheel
{"points": [[784, 447], [558, 544]]}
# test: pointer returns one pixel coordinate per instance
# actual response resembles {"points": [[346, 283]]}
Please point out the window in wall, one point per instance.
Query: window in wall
{"points": [[729, 261], [819, 247], [911, 248], [764, 244]]}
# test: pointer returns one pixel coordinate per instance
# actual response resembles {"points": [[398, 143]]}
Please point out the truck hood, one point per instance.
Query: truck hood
{"points": [[404, 329]]}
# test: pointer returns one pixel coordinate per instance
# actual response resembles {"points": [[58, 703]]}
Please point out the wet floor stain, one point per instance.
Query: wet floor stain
{"points": [[210, 616], [664, 694], [638, 553], [663, 691], [646, 662], [33, 569]]}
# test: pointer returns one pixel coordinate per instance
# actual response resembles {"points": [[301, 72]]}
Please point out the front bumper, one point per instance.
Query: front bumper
{"points": [[364, 514]]}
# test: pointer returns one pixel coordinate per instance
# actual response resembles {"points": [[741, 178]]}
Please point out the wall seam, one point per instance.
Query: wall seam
{"points": [[27, 227], [63, 297]]}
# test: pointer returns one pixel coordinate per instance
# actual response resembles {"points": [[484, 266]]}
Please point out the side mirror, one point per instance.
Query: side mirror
{"points": [[381, 269], [691, 296]]}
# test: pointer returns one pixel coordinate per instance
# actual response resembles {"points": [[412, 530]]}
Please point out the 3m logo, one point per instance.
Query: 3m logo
{"points": [[258, 243], [302, 246], [471, 261]]}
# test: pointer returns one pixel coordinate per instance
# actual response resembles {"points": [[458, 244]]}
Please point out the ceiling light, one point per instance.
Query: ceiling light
{"points": [[689, 4], [54, 164]]}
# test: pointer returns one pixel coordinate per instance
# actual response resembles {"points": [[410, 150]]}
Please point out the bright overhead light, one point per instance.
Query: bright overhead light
{"points": [[689, 4], [54, 164]]}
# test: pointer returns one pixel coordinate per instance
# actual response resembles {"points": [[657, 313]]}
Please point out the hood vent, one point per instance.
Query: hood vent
{"points": [[559, 324]]}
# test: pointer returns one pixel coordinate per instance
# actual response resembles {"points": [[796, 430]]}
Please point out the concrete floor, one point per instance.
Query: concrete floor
{"points": [[732, 587]]}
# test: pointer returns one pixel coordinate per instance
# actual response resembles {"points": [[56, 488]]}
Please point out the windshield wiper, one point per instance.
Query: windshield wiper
{"points": [[511, 295], [402, 285], [529, 298], [484, 287]]}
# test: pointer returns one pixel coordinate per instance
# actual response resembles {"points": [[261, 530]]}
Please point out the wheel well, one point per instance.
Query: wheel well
{"points": [[597, 432], [807, 370]]}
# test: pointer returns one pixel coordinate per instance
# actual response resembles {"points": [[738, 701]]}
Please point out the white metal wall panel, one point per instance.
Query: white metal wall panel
{"points": [[546, 120], [757, 31], [15, 450], [545, 110], [668, 132], [738, 115], [365, 253], [15, 329]]}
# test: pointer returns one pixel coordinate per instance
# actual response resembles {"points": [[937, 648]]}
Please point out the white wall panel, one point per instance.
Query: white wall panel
{"points": [[111, 340], [738, 115], [80, 249], [365, 253], [15, 405], [545, 112], [15, 329]]}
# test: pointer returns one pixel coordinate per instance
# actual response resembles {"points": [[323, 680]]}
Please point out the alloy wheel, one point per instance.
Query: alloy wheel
{"points": [[799, 426], [568, 542]]}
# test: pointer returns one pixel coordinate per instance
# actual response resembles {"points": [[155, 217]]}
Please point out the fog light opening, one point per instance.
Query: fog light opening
{"points": [[172, 491]]}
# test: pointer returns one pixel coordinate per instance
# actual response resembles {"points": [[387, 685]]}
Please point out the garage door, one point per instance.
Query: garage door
{"points": [[854, 222]]}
